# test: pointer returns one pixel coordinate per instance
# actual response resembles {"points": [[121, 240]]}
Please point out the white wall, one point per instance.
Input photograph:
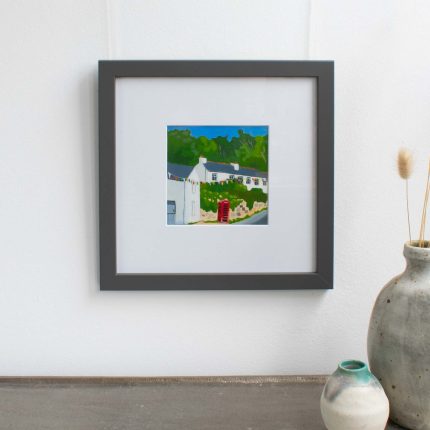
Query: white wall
{"points": [[176, 193], [53, 319]]}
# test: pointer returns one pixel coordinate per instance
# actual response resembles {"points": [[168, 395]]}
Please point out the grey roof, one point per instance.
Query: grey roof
{"points": [[247, 171], [228, 168], [179, 170]]}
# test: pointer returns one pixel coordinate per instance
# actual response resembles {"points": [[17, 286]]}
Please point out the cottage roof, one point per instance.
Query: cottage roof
{"points": [[212, 166], [179, 170]]}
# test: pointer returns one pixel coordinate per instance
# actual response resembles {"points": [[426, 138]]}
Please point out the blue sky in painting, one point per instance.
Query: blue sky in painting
{"points": [[230, 131]]}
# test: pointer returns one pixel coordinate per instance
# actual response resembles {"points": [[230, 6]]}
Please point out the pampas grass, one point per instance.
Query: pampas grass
{"points": [[405, 163]]}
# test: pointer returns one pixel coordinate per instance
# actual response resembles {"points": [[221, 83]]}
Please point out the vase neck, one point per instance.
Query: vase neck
{"points": [[355, 369], [417, 259]]}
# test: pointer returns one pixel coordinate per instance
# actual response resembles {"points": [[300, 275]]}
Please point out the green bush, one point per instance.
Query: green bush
{"points": [[211, 193]]}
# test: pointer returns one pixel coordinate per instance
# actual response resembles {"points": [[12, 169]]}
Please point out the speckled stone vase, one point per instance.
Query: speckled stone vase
{"points": [[398, 342], [353, 399]]}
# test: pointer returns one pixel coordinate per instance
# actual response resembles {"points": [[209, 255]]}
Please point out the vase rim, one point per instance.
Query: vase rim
{"points": [[412, 251], [352, 366]]}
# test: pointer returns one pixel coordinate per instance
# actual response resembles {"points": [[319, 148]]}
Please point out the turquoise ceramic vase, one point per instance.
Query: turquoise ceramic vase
{"points": [[353, 399]]}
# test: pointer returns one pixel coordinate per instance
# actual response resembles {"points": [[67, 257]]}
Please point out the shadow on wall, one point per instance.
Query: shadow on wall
{"points": [[87, 113]]}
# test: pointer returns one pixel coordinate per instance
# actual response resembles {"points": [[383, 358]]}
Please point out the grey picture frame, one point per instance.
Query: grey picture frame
{"points": [[322, 278]]}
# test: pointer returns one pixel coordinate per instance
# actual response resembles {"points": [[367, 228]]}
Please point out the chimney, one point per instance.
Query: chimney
{"points": [[235, 166], [202, 160]]}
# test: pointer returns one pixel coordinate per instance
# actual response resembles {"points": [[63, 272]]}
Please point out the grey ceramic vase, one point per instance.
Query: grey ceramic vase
{"points": [[353, 399], [398, 341]]}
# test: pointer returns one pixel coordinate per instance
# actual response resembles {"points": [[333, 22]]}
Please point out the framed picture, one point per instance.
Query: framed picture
{"points": [[216, 175]]}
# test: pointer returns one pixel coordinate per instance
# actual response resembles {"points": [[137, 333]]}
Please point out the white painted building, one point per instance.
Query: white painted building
{"points": [[210, 171], [183, 194]]}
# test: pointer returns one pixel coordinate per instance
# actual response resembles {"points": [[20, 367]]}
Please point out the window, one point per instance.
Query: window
{"points": [[171, 207], [231, 177], [264, 181], [256, 181], [240, 179], [214, 176], [248, 180]]}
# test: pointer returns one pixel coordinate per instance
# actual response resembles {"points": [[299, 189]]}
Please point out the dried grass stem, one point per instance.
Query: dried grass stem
{"points": [[407, 210], [405, 167], [424, 212]]}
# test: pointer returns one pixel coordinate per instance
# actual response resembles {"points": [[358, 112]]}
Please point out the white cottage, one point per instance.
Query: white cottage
{"points": [[183, 194], [210, 171]]}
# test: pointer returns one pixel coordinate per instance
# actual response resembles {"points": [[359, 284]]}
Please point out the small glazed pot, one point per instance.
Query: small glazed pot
{"points": [[353, 399]]}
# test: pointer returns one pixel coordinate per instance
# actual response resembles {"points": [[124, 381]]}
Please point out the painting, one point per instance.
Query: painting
{"points": [[217, 175], [191, 156]]}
